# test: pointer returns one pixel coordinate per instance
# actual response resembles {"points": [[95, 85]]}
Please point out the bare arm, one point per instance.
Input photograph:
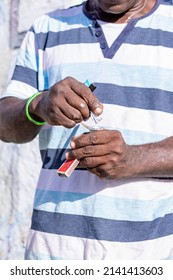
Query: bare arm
{"points": [[14, 126]]}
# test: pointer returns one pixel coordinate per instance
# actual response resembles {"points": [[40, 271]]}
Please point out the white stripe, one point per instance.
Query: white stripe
{"points": [[165, 10], [55, 24], [63, 54], [18, 89], [26, 59], [87, 183], [27, 51], [64, 247], [152, 56], [156, 21], [137, 119]]}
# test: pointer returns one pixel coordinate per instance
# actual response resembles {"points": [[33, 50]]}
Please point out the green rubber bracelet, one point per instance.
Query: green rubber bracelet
{"points": [[27, 110]]}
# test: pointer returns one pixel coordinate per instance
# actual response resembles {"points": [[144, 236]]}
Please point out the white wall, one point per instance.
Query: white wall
{"points": [[19, 164]]}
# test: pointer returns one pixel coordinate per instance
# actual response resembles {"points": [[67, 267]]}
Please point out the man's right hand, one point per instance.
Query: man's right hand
{"points": [[66, 103]]}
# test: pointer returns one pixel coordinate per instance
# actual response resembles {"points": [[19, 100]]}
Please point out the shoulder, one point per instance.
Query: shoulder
{"points": [[56, 18]]}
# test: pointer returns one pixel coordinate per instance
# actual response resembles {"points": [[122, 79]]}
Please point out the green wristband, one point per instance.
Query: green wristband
{"points": [[27, 110]]}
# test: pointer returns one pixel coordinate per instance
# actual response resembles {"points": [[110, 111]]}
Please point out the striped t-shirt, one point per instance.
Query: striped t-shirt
{"points": [[84, 217]]}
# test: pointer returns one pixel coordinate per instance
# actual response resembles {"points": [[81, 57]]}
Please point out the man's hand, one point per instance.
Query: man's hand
{"points": [[103, 153], [68, 102]]}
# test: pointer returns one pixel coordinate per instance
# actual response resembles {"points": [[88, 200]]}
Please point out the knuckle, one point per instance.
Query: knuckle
{"points": [[74, 153], [51, 122], [101, 172], [117, 134], [88, 150], [69, 79], [86, 94], [53, 88], [77, 141], [113, 147], [87, 161], [113, 160], [89, 95], [76, 116], [70, 124], [93, 138], [53, 116], [60, 88], [93, 102]]}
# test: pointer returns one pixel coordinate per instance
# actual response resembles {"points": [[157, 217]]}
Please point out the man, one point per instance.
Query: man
{"points": [[118, 203]]}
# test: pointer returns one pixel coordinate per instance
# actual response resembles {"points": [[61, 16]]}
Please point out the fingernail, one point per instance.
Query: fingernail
{"points": [[72, 144], [67, 155], [98, 110]]}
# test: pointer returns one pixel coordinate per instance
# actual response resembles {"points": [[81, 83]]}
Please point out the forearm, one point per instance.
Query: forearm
{"points": [[152, 160], [14, 125]]}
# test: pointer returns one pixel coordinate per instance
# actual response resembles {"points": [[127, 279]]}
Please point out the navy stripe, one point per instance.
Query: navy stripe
{"points": [[26, 75], [53, 158], [74, 36], [166, 2], [135, 97], [101, 229], [61, 14], [148, 36]]}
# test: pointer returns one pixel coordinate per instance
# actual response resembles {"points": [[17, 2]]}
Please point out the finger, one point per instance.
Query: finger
{"points": [[71, 112], [86, 94], [79, 104], [88, 151], [94, 138], [58, 118], [93, 162]]}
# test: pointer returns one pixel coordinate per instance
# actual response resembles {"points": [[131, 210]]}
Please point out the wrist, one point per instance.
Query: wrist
{"points": [[145, 160], [138, 164], [32, 109]]}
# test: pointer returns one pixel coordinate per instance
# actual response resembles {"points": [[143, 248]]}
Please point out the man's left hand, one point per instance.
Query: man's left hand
{"points": [[102, 152]]}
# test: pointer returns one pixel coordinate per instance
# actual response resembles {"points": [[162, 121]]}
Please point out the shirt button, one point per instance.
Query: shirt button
{"points": [[95, 24], [98, 33], [103, 46]]}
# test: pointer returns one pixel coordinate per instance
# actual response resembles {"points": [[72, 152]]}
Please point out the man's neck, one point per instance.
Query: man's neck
{"points": [[95, 11]]}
